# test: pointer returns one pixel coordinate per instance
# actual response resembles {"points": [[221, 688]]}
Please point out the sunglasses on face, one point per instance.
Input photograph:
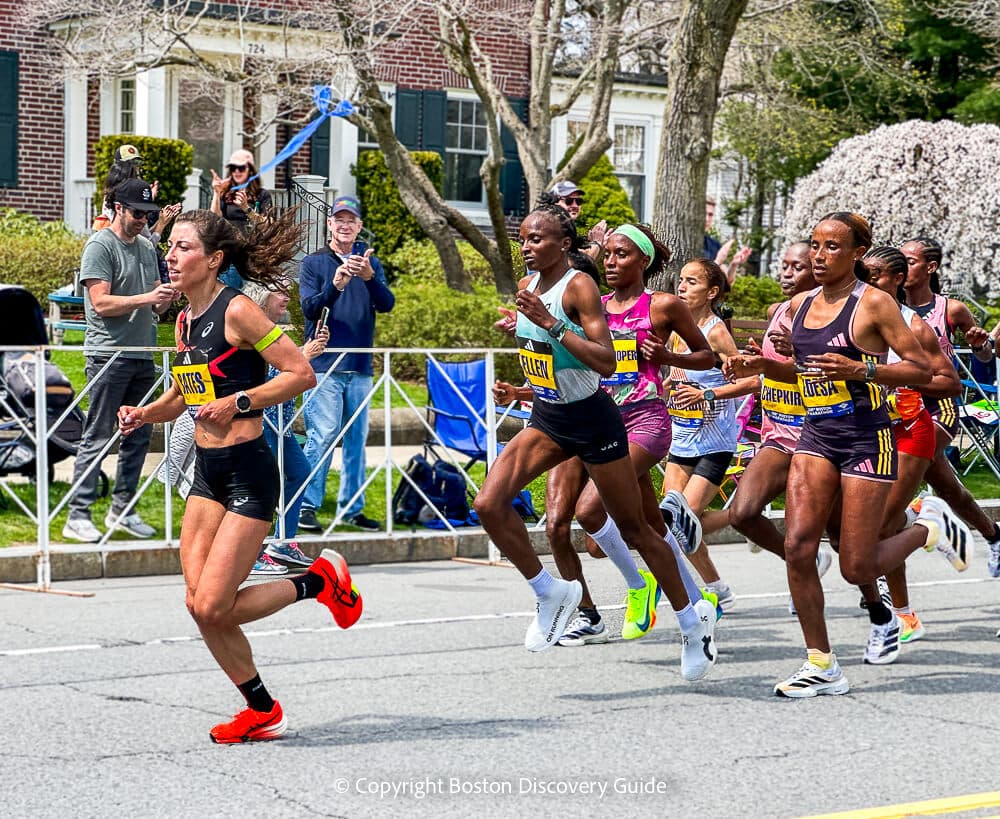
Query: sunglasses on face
{"points": [[573, 200], [237, 168], [138, 214]]}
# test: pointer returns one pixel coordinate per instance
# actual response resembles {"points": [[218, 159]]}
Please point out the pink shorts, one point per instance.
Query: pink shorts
{"points": [[648, 426]]}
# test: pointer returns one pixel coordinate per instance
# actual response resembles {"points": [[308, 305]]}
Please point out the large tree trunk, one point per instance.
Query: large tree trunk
{"points": [[694, 66]]}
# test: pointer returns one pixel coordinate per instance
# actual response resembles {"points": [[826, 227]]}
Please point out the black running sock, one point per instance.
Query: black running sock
{"points": [[256, 695], [591, 614], [307, 585], [996, 533], [879, 613]]}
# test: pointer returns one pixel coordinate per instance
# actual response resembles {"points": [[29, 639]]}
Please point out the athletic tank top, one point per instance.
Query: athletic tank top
{"points": [[635, 379], [207, 366], [903, 403], [702, 428], [553, 372], [781, 402], [827, 401], [935, 313]]}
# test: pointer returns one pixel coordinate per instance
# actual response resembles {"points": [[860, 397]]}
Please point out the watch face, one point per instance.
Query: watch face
{"points": [[243, 403]]}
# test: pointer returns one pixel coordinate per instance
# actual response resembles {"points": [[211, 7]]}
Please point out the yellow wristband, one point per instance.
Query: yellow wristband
{"points": [[268, 340]]}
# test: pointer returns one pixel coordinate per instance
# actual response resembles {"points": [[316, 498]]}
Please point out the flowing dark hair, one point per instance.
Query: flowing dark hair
{"points": [[895, 263], [261, 255], [861, 233], [931, 250]]}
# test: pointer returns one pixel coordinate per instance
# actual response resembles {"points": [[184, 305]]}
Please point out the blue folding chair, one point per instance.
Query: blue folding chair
{"points": [[455, 426]]}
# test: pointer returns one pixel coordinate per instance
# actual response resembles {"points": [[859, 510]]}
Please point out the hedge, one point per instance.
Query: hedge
{"points": [[750, 296], [382, 209], [39, 256], [419, 260], [168, 160]]}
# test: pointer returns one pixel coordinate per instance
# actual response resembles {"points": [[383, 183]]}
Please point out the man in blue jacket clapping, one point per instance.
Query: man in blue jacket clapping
{"points": [[346, 278]]}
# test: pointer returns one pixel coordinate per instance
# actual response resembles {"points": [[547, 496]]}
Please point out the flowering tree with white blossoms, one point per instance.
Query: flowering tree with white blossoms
{"points": [[917, 179]]}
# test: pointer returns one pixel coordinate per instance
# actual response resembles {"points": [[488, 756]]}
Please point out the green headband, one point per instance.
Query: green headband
{"points": [[640, 239]]}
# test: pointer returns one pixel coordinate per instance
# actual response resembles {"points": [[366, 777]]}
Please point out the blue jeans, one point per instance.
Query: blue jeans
{"points": [[328, 407], [295, 469], [126, 382]]}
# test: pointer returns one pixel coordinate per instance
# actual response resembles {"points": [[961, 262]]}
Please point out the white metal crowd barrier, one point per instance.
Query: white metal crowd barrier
{"points": [[34, 426]]}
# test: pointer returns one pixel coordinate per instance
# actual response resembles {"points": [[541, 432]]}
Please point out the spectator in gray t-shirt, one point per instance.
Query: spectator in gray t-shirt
{"points": [[120, 276]]}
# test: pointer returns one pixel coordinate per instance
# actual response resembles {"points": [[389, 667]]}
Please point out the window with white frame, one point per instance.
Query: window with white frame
{"points": [[126, 106], [465, 147], [629, 159]]}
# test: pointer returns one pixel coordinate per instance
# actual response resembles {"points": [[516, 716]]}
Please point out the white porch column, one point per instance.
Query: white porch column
{"points": [[343, 154], [269, 147], [192, 190], [311, 182], [151, 103], [75, 181]]}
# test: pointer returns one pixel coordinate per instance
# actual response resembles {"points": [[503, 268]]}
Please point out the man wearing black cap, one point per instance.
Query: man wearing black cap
{"points": [[120, 274], [348, 280]]}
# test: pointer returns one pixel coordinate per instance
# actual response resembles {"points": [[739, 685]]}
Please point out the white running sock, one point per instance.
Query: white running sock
{"points": [[541, 583], [690, 586], [687, 618], [612, 544]]}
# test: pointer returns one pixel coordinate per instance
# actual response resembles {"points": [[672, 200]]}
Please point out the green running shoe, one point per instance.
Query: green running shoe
{"points": [[640, 608], [713, 598]]}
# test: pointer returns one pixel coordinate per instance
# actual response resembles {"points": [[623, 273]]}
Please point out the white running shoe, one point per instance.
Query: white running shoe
{"points": [[682, 521], [553, 614], [725, 597], [811, 681], [946, 532], [131, 523], [581, 632], [883, 643], [82, 530], [698, 649]]}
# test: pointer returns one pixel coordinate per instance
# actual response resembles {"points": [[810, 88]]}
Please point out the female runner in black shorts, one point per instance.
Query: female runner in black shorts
{"points": [[225, 343]]}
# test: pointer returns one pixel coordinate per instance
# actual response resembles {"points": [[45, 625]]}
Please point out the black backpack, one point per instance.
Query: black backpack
{"points": [[406, 502]]}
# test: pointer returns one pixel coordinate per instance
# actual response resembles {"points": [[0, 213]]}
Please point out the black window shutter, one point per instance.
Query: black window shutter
{"points": [[319, 151], [408, 118], [8, 118], [512, 175], [435, 116]]}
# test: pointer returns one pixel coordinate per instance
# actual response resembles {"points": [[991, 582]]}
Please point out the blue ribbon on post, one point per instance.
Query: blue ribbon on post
{"points": [[324, 102]]}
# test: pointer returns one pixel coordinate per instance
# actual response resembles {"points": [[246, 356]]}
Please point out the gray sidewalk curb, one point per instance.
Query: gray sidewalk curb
{"points": [[135, 558]]}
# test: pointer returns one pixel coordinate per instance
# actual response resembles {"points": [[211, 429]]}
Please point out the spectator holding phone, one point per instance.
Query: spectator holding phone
{"points": [[348, 279]]}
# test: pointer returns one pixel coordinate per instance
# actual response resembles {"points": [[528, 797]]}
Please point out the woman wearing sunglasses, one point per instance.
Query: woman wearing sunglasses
{"points": [[235, 205]]}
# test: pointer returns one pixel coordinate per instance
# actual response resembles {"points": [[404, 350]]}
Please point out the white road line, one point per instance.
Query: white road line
{"points": [[426, 621]]}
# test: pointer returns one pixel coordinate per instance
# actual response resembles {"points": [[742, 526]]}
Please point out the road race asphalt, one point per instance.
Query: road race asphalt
{"points": [[430, 706]]}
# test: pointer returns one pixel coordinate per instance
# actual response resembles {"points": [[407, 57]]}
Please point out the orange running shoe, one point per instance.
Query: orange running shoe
{"points": [[339, 594], [912, 629], [251, 726]]}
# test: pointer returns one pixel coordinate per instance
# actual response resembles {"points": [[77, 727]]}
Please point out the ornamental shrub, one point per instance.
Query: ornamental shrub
{"points": [[382, 209], [168, 160], [39, 256], [419, 260], [917, 179], [430, 314], [750, 296]]}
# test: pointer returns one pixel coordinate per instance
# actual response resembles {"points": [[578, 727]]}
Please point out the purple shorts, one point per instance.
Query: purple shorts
{"points": [[648, 426]]}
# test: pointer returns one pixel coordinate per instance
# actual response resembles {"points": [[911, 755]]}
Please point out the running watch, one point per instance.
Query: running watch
{"points": [[243, 403], [557, 330]]}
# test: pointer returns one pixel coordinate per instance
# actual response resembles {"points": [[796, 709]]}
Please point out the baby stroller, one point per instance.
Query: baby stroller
{"points": [[24, 325]]}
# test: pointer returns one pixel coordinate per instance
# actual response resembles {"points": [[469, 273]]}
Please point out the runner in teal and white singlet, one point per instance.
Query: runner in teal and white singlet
{"points": [[571, 416]]}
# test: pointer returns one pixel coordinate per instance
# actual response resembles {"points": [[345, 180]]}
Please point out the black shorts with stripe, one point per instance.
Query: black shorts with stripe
{"points": [[858, 452], [944, 413]]}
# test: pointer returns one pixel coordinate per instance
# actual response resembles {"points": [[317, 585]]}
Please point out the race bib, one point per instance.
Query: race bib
{"points": [[626, 360], [782, 402], [192, 378], [539, 367], [824, 398]]}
